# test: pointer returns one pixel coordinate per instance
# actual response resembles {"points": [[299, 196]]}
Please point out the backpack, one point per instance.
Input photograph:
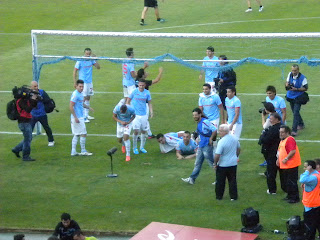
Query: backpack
{"points": [[12, 111], [49, 105]]}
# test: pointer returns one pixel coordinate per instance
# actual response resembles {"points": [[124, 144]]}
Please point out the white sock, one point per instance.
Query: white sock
{"points": [[127, 144], [135, 140], [149, 129], [86, 110], [74, 143], [83, 144], [143, 140]]}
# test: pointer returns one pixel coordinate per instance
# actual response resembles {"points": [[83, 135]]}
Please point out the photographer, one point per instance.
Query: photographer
{"points": [[26, 101], [265, 112], [39, 114], [296, 85], [269, 141], [224, 80]]}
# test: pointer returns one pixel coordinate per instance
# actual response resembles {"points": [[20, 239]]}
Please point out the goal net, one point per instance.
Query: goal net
{"points": [[186, 49]]}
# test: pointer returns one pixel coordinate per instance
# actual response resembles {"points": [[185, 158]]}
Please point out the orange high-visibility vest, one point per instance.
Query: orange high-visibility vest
{"points": [[293, 162], [312, 199]]}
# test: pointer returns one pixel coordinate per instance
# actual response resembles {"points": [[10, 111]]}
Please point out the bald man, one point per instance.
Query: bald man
{"points": [[39, 114]]}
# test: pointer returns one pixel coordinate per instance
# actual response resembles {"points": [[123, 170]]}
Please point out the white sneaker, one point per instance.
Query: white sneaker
{"points": [[249, 10], [86, 120], [74, 154], [90, 118], [85, 153], [214, 183], [261, 9], [271, 193], [188, 180], [51, 144]]}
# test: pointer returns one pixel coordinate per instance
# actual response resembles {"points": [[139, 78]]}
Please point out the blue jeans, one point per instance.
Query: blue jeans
{"points": [[44, 122], [24, 145], [202, 153], [297, 119]]}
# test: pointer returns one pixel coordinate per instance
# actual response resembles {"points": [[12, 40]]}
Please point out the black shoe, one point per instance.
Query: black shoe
{"points": [[28, 159], [293, 201], [141, 23], [16, 153]]}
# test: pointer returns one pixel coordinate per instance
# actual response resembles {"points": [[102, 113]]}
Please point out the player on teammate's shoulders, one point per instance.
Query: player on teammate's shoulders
{"points": [[129, 74], [139, 97], [142, 74], [124, 115], [84, 67], [78, 126]]}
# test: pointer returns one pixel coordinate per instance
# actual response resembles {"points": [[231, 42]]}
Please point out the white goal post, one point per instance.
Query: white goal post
{"points": [[241, 37]]}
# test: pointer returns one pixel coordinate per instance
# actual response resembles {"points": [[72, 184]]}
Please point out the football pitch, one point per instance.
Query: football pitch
{"points": [[149, 187]]}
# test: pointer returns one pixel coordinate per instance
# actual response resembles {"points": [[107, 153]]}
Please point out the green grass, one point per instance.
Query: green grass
{"points": [[33, 195]]}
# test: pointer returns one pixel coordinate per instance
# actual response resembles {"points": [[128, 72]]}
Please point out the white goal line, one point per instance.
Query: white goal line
{"points": [[113, 135]]}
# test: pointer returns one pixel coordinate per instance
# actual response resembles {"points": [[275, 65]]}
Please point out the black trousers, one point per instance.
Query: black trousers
{"points": [[44, 122], [289, 179], [272, 169], [222, 174], [311, 222]]}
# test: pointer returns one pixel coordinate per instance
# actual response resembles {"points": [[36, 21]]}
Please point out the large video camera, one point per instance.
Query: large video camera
{"points": [[26, 93]]}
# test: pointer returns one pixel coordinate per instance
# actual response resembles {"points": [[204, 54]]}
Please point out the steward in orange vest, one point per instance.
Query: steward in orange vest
{"points": [[289, 160]]}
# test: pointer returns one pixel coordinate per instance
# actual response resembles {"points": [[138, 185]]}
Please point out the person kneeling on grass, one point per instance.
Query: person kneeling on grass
{"points": [[186, 147]]}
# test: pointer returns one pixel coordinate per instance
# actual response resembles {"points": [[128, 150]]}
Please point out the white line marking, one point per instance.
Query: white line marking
{"points": [[220, 23], [162, 93], [113, 135]]}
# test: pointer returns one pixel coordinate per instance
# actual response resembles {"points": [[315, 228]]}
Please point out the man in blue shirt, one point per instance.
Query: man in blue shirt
{"points": [[139, 97], [78, 126], [296, 85], [211, 105], [311, 198], [186, 148], [85, 73], [124, 115], [278, 102], [233, 106], [225, 162], [39, 114], [207, 133], [210, 74]]}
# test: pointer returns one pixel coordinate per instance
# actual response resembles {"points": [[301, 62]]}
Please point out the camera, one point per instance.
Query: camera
{"points": [[289, 86], [26, 93], [262, 110]]}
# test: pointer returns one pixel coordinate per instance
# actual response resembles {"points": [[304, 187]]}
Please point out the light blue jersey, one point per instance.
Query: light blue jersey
{"points": [[139, 100], [205, 129], [278, 103], [127, 79], [125, 117], [85, 70], [77, 98], [210, 105], [231, 105], [227, 148], [187, 149], [210, 74]]}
